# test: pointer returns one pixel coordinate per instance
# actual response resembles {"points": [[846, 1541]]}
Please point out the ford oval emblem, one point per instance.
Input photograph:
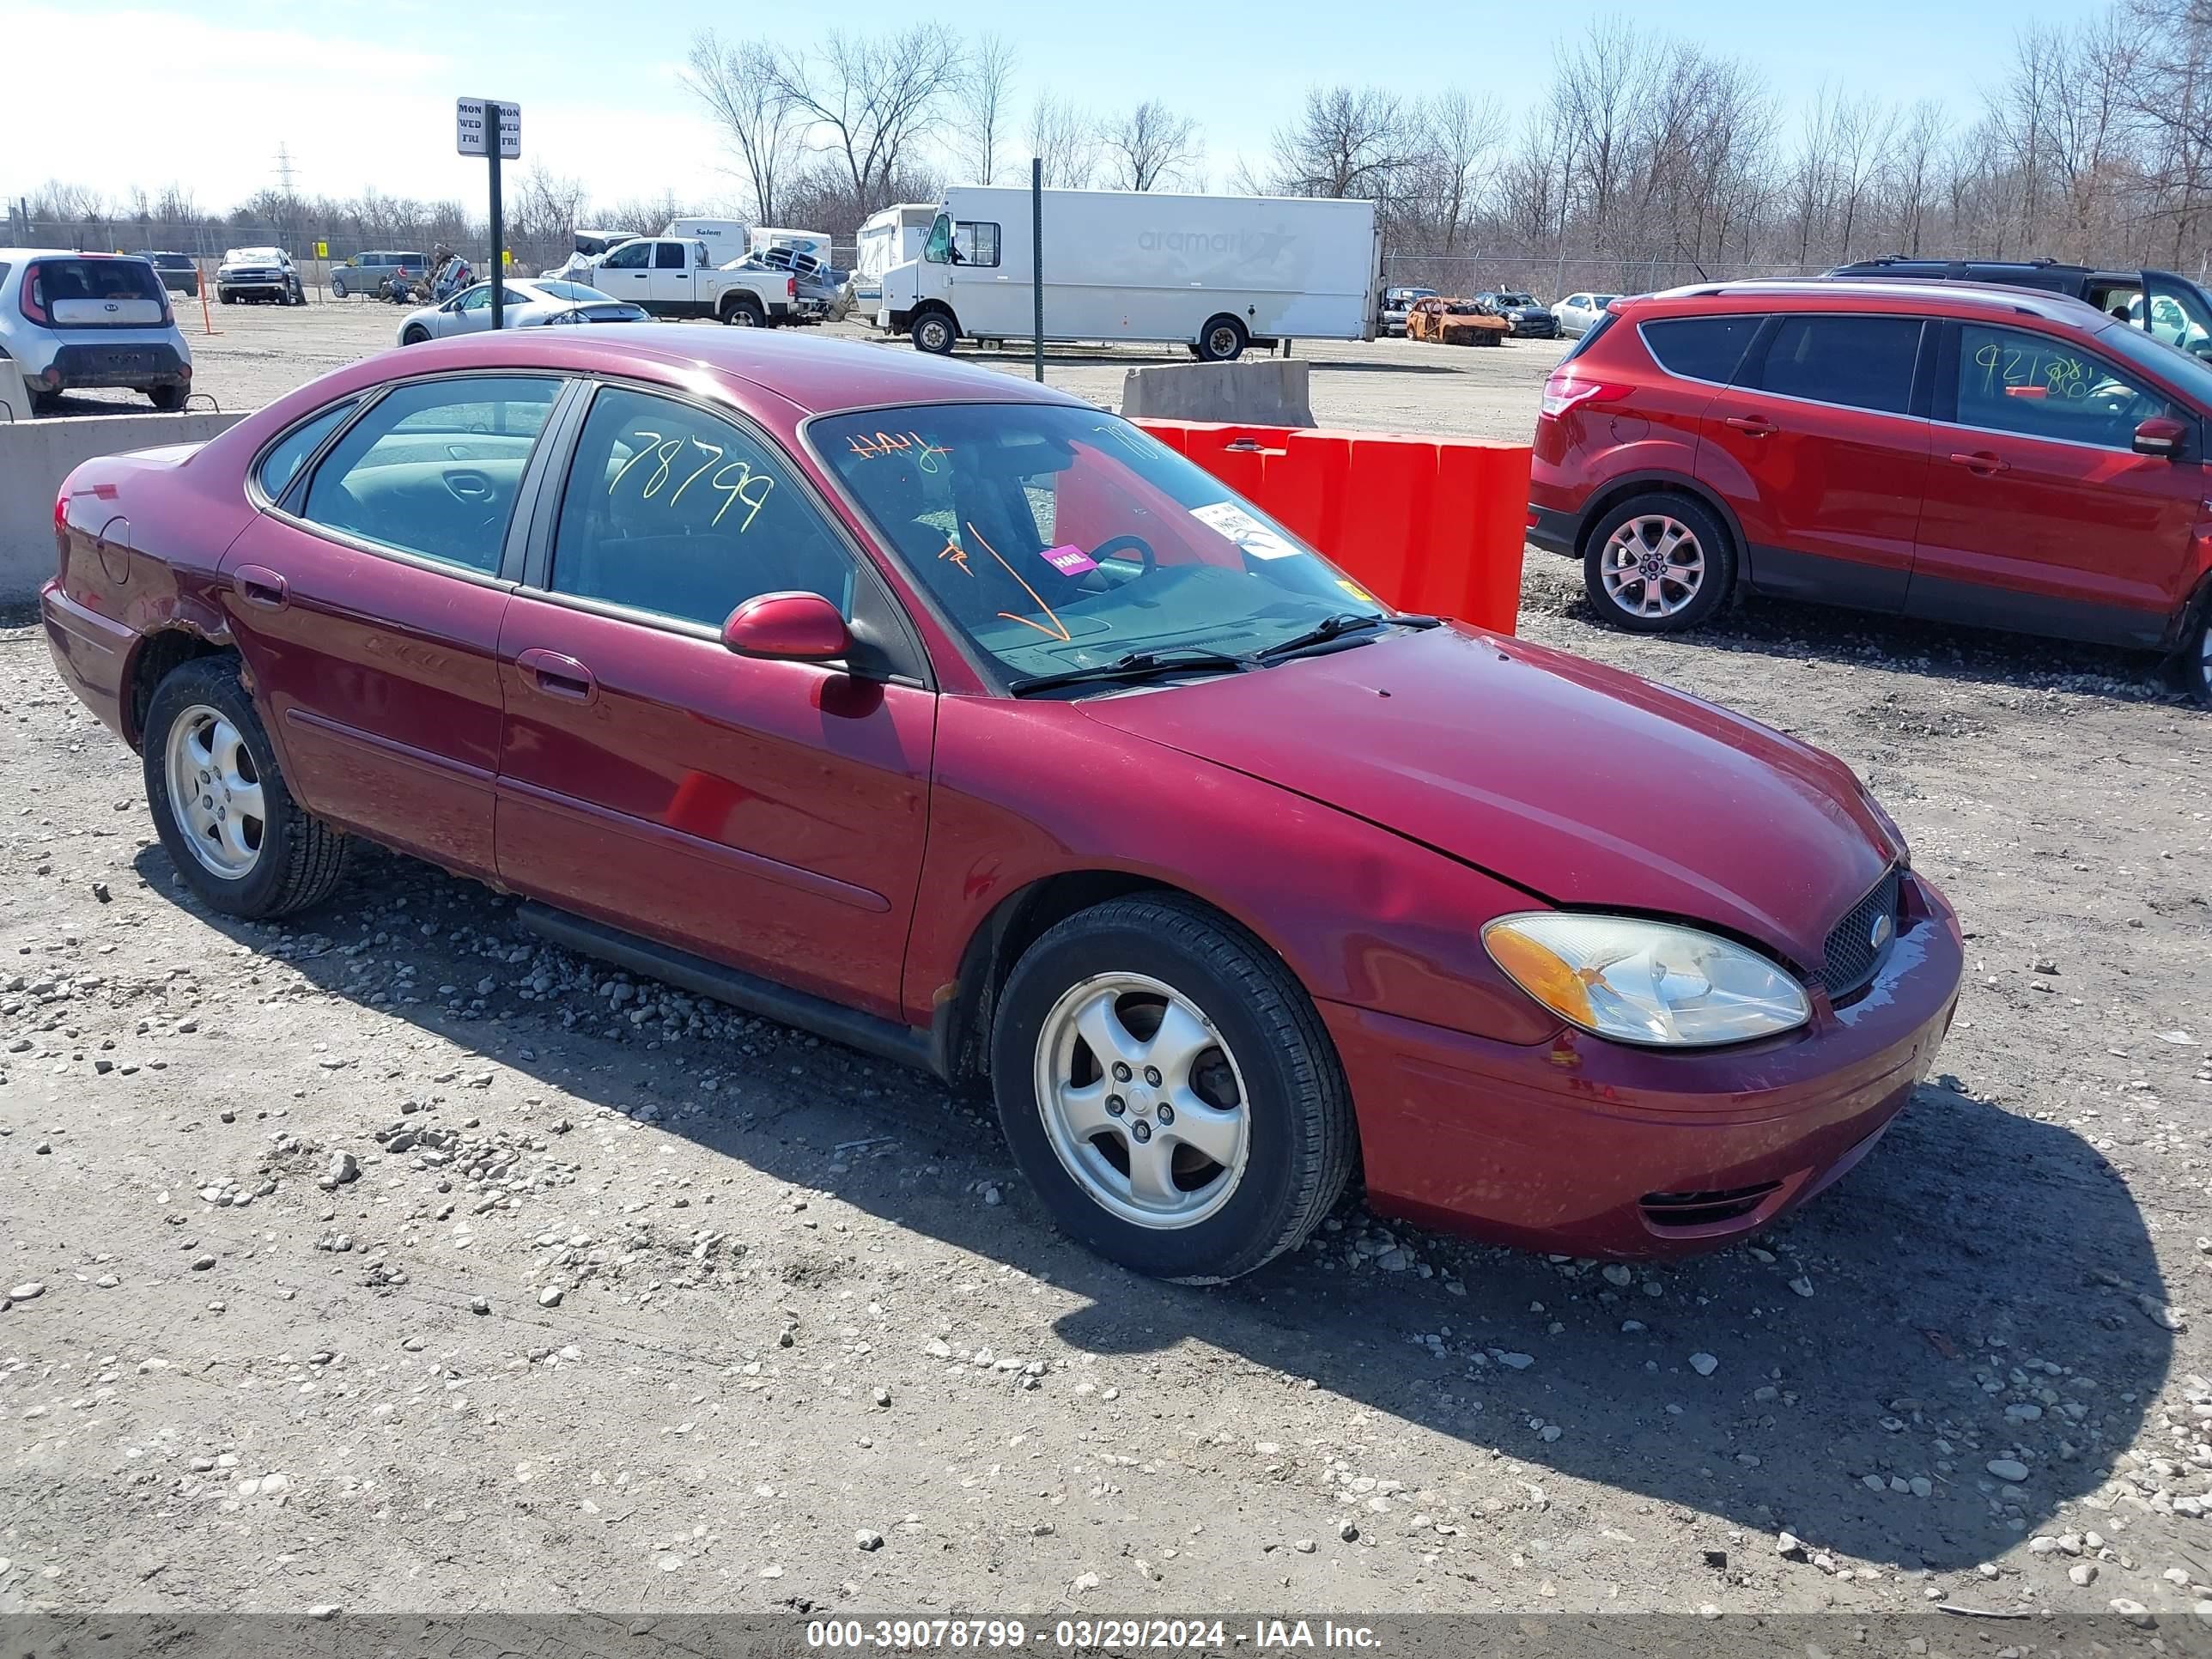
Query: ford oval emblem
{"points": [[1879, 934]]}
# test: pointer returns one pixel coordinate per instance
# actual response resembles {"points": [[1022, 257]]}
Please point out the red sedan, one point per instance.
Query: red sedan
{"points": [[952, 718]]}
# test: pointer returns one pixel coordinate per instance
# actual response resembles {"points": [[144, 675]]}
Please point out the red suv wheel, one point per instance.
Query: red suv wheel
{"points": [[1658, 563]]}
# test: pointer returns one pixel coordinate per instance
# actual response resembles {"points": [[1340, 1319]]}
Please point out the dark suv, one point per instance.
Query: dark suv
{"points": [[2172, 308], [1949, 450]]}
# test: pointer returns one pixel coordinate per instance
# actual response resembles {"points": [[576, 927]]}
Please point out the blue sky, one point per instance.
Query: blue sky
{"points": [[362, 93]]}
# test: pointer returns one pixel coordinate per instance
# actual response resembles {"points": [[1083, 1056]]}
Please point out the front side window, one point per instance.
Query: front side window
{"points": [[290, 453], [674, 510], [975, 242], [938, 250], [1841, 357], [434, 469], [2011, 380], [477, 299], [1060, 538]]}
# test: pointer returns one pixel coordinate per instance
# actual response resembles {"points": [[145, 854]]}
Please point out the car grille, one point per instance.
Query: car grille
{"points": [[1853, 954], [1668, 1210]]}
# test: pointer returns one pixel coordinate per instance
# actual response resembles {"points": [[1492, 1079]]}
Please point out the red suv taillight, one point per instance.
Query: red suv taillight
{"points": [[1566, 389], [32, 301]]}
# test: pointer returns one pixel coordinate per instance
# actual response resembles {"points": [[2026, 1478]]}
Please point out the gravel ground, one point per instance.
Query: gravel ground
{"points": [[389, 1259]]}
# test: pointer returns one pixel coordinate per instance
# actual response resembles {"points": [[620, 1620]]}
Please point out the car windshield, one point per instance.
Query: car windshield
{"points": [[2185, 370], [1516, 299], [1062, 538], [254, 255], [561, 290]]}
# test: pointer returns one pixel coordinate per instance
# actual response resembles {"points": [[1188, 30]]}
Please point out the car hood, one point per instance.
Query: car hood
{"points": [[1582, 785]]}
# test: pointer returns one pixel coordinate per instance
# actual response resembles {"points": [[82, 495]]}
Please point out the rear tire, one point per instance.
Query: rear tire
{"points": [[167, 398], [265, 856], [743, 310], [1222, 340], [44, 402], [935, 333], [1658, 563], [2194, 662], [1264, 1140]]}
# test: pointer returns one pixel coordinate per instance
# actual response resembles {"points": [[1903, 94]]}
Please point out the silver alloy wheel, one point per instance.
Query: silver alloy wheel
{"points": [[1142, 1101], [1652, 565], [741, 316], [214, 791], [2204, 660]]}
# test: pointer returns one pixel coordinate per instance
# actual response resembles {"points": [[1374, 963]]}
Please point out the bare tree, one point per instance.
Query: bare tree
{"points": [[986, 97], [744, 90], [1065, 138], [1458, 137], [1149, 146], [1345, 141], [875, 97]]}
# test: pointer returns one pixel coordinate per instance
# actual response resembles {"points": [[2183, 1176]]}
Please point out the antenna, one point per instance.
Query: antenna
{"points": [[284, 170]]}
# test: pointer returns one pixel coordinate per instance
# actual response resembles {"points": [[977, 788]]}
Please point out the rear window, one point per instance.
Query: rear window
{"points": [[57, 280], [1841, 357], [1700, 348]]}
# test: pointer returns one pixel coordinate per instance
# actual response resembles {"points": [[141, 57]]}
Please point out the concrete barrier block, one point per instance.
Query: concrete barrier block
{"points": [[35, 456], [15, 396], [1261, 392]]}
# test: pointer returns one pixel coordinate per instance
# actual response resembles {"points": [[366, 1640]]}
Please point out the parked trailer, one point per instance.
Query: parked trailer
{"points": [[890, 238], [765, 237], [1214, 272]]}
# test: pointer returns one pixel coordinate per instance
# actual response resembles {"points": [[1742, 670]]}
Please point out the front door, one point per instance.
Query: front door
{"points": [[1819, 450], [2039, 514], [367, 604], [767, 815], [627, 273]]}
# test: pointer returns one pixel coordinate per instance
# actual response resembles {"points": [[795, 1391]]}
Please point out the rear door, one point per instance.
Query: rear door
{"points": [[2038, 514], [770, 816], [670, 284], [367, 599], [1821, 448]]}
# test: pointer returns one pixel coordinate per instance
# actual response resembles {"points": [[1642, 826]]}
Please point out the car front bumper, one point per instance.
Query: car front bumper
{"points": [[1596, 1148]]}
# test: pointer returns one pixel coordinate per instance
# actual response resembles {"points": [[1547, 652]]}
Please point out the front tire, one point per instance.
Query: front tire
{"points": [[416, 336], [220, 803], [1658, 563], [2194, 663], [1222, 340], [1168, 1089], [933, 332]]}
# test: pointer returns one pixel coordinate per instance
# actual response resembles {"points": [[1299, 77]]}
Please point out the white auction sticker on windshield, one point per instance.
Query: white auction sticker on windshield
{"points": [[1241, 527]]}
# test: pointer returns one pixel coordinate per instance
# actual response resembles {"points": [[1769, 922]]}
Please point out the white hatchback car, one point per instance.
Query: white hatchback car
{"points": [[1578, 312], [73, 320], [528, 302]]}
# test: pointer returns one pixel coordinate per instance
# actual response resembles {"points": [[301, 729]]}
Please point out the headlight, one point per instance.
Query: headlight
{"points": [[1645, 982]]}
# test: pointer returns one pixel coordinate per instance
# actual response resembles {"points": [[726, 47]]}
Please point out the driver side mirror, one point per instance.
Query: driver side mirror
{"points": [[2161, 435], [788, 628]]}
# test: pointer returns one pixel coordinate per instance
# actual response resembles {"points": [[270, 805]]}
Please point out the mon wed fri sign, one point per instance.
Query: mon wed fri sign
{"points": [[472, 118]]}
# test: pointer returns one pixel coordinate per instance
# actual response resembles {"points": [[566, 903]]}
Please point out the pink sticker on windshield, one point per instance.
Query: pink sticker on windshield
{"points": [[1069, 560]]}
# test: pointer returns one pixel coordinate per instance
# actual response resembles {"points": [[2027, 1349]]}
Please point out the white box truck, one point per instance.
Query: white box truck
{"points": [[1216, 273], [890, 238]]}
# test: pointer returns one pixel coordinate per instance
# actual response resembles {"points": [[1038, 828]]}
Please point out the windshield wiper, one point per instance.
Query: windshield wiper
{"points": [[1138, 665], [1335, 628]]}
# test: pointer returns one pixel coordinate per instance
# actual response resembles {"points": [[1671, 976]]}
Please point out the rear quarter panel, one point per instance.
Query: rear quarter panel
{"points": [[1651, 432]]}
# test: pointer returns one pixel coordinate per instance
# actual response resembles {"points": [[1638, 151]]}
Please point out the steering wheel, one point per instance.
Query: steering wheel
{"points": [[1148, 559]]}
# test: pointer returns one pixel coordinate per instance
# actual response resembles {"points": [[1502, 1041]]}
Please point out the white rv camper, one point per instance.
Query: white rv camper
{"points": [[890, 238]]}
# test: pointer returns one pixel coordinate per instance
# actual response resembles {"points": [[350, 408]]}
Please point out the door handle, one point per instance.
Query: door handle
{"points": [[557, 675], [1752, 426], [1983, 462], [257, 584]]}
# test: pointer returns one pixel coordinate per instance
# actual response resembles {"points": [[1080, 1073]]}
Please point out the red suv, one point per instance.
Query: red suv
{"points": [[1961, 453]]}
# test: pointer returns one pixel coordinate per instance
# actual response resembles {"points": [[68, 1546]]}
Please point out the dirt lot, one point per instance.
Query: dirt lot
{"points": [[391, 1260]]}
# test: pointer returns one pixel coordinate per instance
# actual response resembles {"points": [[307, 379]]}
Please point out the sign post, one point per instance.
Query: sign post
{"points": [[474, 120]]}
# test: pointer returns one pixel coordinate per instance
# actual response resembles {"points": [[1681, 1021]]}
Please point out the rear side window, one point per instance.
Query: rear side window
{"points": [[668, 256], [282, 463], [1700, 348], [434, 468], [1861, 363]]}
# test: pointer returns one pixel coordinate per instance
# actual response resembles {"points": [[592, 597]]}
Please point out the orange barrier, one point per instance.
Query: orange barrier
{"points": [[1425, 523]]}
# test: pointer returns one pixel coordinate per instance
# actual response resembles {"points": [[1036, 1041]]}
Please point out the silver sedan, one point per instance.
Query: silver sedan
{"points": [[528, 301]]}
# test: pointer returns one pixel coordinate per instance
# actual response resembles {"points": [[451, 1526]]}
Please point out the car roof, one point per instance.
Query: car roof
{"points": [[14, 254], [1846, 293], [816, 376]]}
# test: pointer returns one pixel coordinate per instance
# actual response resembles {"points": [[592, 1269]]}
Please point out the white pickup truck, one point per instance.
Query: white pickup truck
{"points": [[675, 277]]}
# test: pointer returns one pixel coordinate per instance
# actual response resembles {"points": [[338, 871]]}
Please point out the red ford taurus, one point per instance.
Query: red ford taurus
{"points": [[958, 721]]}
